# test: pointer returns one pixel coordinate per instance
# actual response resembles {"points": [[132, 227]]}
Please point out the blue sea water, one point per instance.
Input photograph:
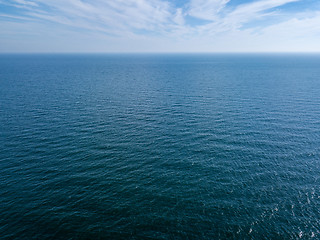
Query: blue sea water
{"points": [[160, 146]]}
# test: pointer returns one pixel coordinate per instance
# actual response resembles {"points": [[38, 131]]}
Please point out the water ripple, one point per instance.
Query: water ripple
{"points": [[159, 147]]}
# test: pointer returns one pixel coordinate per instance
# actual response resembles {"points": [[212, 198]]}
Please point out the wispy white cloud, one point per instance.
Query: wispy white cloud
{"points": [[255, 10], [109, 16], [179, 17], [296, 28], [151, 15], [159, 21], [25, 2], [206, 9]]}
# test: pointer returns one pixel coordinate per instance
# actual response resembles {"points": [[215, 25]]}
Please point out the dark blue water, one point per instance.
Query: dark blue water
{"points": [[160, 147]]}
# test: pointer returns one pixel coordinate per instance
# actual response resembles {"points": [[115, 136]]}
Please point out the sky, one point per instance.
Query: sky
{"points": [[159, 26]]}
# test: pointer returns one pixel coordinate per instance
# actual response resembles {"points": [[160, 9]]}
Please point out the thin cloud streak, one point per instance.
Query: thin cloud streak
{"points": [[206, 9]]}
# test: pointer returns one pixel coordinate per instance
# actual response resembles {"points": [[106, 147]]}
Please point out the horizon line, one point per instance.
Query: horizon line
{"points": [[150, 53]]}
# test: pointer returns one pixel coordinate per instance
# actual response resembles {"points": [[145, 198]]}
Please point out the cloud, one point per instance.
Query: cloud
{"points": [[156, 16], [25, 2], [206, 9], [179, 17], [111, 16], [251, 11], [213, 24]]}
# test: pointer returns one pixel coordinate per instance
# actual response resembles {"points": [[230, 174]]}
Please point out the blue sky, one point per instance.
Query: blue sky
{"points": [[159, 26]]}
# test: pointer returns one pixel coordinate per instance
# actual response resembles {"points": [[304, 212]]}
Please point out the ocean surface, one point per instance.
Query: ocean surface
{"points": [[160, 146]]}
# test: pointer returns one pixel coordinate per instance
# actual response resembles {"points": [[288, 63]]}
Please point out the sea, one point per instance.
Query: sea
{"points": [[159, 146]]}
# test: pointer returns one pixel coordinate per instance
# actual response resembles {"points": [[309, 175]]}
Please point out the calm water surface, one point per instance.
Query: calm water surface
{"points": [[160, 146]]}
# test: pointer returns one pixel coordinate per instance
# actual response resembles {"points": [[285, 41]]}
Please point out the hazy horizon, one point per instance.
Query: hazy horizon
{"points": [[164, 53]]}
